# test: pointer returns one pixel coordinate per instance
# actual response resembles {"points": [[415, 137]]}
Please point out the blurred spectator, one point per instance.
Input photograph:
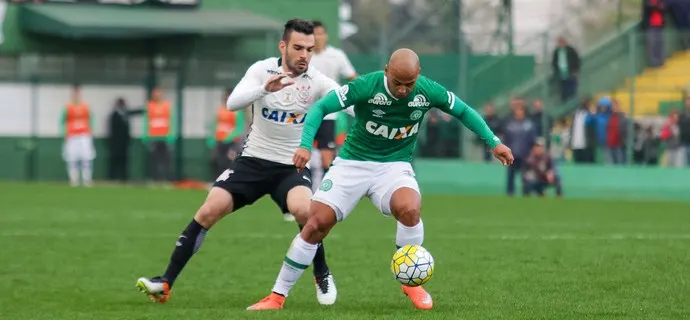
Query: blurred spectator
{"points": [[560, 135], [159, 136], [442, 136], [494, 123], [519, 134], [670, 135], [428, 148], [583, 134], [540, 171], [119, 138], [616, 132], [646, 147], [78, 150], [516, 102], [653, 23], [566, 67], [638, 144], [680, 10], [537, 114], [450, 137], [684, 128], [601, 121], [224, 136]]}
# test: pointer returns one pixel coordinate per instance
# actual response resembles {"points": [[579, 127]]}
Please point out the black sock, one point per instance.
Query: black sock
{"points": [[320, 266], [187, 244]]}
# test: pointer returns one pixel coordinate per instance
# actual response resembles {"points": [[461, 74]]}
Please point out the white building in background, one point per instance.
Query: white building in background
{"points": [[531, 19]]}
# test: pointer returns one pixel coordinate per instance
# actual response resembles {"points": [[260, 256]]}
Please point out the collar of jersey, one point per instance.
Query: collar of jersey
{"points": [[385, 84]]}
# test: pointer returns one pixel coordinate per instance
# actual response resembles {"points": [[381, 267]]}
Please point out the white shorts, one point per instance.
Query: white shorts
{"points": [[78, 148], [348, 181]]}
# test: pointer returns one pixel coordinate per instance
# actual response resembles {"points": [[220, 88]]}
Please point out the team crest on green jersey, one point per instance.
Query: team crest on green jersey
{"points": [[415, 115], [326, 185]]}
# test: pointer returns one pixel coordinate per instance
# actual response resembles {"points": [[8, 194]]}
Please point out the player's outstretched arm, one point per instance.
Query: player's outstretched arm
{"points": [[474, 121], [317, 112]]}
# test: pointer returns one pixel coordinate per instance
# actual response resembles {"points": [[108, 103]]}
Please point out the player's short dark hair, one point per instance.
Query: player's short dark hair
{"points": [[297, 25], [318, 24]]}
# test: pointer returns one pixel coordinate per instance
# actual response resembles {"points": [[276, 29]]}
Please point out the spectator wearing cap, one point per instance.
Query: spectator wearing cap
{"points": [[540, 172]]}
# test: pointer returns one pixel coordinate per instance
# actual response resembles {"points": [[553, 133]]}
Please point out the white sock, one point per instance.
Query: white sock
{"points": [[409, 235], [73, 172], [298, 258], [87, 172]]}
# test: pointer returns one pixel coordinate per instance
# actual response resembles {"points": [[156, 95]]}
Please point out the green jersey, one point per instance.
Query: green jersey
{"points": [[385, 127]]}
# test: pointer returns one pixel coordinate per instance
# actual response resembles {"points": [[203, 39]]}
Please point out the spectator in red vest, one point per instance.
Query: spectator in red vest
{"points": [[653, 22], [615, 135]]}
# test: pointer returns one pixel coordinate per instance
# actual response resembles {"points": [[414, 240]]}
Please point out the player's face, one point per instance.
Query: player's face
{"points": [[297, 52], [321, 37], [401, 87]]}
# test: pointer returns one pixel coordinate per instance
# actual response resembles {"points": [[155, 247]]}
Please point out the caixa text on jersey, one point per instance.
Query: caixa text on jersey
{"points": [[283, 116]]}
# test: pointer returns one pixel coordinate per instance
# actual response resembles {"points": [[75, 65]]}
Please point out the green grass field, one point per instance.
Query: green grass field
{"points": [[72, 254]]}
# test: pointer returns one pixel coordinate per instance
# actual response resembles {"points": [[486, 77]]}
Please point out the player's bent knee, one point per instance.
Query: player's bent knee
{"points": [[321, 220], [406, 206], [217, 205], [409, 216]]}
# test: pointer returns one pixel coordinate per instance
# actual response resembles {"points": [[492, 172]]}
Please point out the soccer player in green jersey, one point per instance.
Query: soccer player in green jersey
{"points": [[375, 161]]}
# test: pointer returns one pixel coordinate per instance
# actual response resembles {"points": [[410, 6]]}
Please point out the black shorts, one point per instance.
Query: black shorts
{"points": [[325, 136], [252, 178]]}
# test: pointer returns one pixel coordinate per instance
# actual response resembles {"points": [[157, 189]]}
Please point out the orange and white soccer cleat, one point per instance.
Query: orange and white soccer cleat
{"points": [[157, 289], [420, 298], [274, 301]]}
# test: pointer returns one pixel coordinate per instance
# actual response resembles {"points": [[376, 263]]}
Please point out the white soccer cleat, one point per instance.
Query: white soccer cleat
{"points": [[326, 293], [156, 289], [288, 217]]}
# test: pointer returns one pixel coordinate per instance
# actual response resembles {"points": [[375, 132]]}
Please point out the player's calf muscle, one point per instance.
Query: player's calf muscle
{"points": [[406, 206]]}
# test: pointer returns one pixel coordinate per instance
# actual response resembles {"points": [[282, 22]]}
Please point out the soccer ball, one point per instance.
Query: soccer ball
{"points": [[412, 265]]}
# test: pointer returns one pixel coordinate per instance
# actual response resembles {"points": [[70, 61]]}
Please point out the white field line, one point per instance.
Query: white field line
{"points": [[251, 235]]}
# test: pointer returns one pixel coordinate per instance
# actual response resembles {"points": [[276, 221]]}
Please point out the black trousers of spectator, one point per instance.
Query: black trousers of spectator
{"points": [[160, 161], [118, 166], [655, 46], [583, 155], [568, 88], [513, 170], [539, 186]]}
